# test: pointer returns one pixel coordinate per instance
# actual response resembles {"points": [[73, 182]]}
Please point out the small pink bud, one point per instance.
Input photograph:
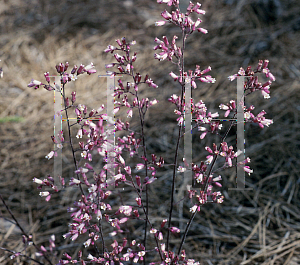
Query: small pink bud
{"points": [[110, 49], [38, 181], [138, 180], [138, 201], [73, 96], [119, 42], [109, 65], [58, 68], [174, 230], [66, 66], [74, 69], [206, 70], [43, 249], [265, 65], [91, 71], [80, 69], [47, 77], [44, 193], [166, 15], [136, 213], [61, 67], [160, 23], [202, 30], [34, 83], [232, 102], [163, 223], [77, 111], [175, 77], [67, 102], [271, 76]]}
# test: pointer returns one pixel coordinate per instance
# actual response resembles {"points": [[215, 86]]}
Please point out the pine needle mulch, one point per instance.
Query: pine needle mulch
{"points": [[257, 226]]}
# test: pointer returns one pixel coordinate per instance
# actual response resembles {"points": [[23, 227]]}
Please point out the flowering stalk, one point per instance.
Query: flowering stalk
{"points": [[187, 26], [125, 66], [169, 51]]}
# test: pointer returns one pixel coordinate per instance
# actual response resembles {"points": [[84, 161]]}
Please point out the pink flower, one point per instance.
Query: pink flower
{"points": [[203, 135], [140, 166], [248, 170], [232, 77], [125, 210], [175, 77], [151, 83], [79, 133], [34, 83], [202, 30], [209, 159], [129, 113], [174, 230], [110, 49], [47, 77], [44, 193], [38, 181], [160, 23], [87, 243], [138, 201], [166, 15], [80, 69], [50, 155]]}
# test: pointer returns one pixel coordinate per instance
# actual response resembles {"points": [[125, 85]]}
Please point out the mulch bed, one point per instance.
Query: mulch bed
{"points": [[257, 226]]}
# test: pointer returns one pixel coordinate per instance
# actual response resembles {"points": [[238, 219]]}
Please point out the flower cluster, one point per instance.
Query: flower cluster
{"points": [[94, 209], [252, 83], [182, 20], [125, 64], [48, 182], [65, 77]]}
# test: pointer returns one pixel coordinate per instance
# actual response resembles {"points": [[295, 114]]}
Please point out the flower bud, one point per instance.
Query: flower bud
{"points": [[47, 77], [34, 83], [80, 69], [67, 102], [166, 15], [136, 213], [174, 230], [57, 68], [138, 180], [66, 66], [265, 65], [74, 69], [138, 201], [73, 96], [119, 42], [163, 223]]}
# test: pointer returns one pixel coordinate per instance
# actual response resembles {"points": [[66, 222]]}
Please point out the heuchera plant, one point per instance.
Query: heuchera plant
{"points": [[93, 210]]}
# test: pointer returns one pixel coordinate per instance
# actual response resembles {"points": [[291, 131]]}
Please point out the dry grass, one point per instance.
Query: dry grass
{"points": [[260, 226]]}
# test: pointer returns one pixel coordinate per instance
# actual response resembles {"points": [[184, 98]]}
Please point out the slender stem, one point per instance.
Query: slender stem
{"points": [[71, 141], [206, 185], [216, 155], [142, 116], [101, 235], [173, 186], [147, 218], [23, 255], [178, 141], [186, 231], [21, 228], [142, 121]]}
